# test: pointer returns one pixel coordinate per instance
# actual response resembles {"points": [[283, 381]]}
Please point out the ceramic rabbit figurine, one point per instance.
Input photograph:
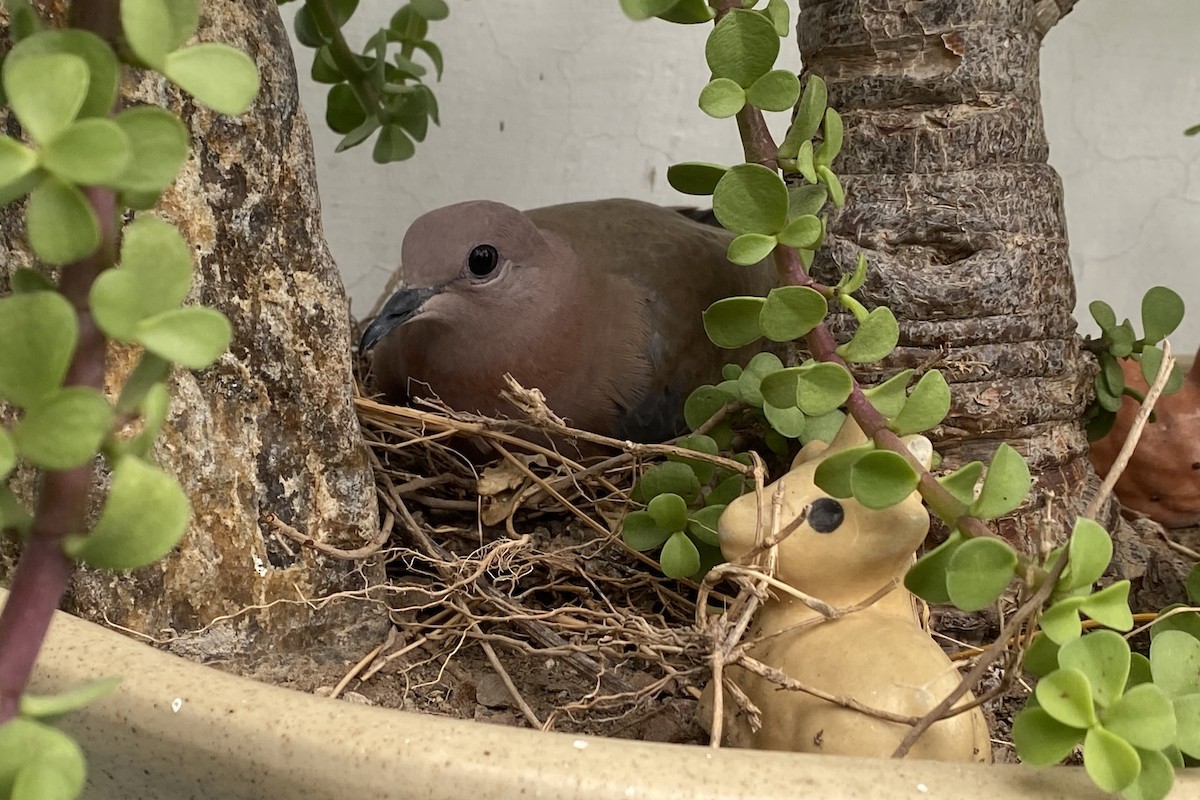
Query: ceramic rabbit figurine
{"points": [[1163, 476], [879, 656]]}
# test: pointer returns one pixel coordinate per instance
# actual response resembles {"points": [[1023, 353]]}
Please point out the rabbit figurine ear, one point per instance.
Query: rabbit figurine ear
{"points": [[843, 554]]}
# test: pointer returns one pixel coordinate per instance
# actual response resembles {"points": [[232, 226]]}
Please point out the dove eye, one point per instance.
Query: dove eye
{"points": [[482, 260]]}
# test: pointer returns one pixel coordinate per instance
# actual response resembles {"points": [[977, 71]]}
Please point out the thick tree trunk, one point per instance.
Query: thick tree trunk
{"points": [[270, 428], [952, 200]]}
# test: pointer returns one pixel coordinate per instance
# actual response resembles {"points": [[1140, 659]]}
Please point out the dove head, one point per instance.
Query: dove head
{"points": [[481, 283]]}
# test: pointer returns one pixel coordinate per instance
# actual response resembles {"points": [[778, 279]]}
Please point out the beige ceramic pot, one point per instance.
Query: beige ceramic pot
{"points": [[174, 729]]}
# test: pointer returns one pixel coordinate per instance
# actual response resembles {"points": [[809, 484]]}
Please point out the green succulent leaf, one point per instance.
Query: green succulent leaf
{"points": [[748, 249], [1123, 339], [1004, 487], [1175, 663], [882, 479], [64, 430], [90, 152], [805, 232], [679, 557], [434, 10], [822, 387], [978, 572], [669, 511], [778, 90], [38, 762], [695, 177], [837, 195], [721, 98], [1041, 658], [159, 145], [734, 322], [1061, 620], [153, 277], [1155, 779], [962, 482], [832, 144], [1143, 716], [51, 707], [638, 10], [689, 12], [876, 336], [17, 166], [806, 200], [343, 112], [1103, 313], [789, 421], [889, 397], [670, 477], [1041, 740], [808, 118], [219, 76], [750, 381], [701, 444], [823, 428], [1152, 358], [1162, 311], [751, 198], [927, 405], [790, 312], [833, 474], [144, 517], [1110, 761], [392, 145], [927, 578], [192, 337], [743, 47], [1066, 695], [703, 524], [702, 403], [1110, 606], [154, 407], [149, 29], [641, 532], [1103, 656], [1090, 552], [1187, 721], [46, 92], [59, 222], [39, 332], [804, 162]]}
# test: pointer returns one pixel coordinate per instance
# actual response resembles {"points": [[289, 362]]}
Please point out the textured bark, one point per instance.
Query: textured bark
{"points": [[962, 220], [270, 428]]}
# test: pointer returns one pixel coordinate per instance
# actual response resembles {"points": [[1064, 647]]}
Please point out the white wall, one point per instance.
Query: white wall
{"points": [[546, 101]]}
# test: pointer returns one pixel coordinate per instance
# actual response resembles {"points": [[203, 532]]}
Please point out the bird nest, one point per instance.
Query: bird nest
{"points": [[511, 581]]}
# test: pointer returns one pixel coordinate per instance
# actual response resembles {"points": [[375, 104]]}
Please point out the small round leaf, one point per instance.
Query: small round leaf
{"points": [[159, 144], [789, 422], [192, 337], [751, 198], [671, 477], [778, 90], [742, 47], [1041, 740], [102, 66], [882, 479], [1162, 311], [927, 578], [91, 152], [790, 312], [876, 336], [1066, 695], [695, 177], [46, 91], [703, 524], [144, 517], [669, 511], [641, 532], [65, 430], [927, 405], [979, 571], [59, 223], [220, 77], [702, 403], [804, 231], [39, 331], [733, 322], [1110, 761], [679, 557], [1143, 716], [748, 249], [1005, 486], [721, 98], [822, 387], [1103, 656]]}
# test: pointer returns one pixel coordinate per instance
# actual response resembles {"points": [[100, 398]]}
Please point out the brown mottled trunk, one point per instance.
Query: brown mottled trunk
{"points": [[961, 217], [270, 428]]}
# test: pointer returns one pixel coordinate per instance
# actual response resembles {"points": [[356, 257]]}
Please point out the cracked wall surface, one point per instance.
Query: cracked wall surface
{"points": [[545, 101]]}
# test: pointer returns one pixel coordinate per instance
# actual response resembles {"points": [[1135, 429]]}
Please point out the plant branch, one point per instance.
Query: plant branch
{"points": [[41, 575]]}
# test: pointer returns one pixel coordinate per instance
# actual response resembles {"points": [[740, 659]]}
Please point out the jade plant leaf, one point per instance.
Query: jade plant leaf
{"points": [[927, 405], [59, 222], [790, 312], [8, 456], [192, 337], [1110, 761], [51, 707], [64, 430], [962, 482], [16, 163], [1175, 663], [1041, 740], [39, 762], [1066, 695], [751, 198], [1103, 656], [1162, 311], [721, 98], [1090, 552], [804, 231], [876, 336], [702, 403], [1061, 622], [822, 386], [665, 478], [789, 421], [701, 444], [158, 143], [807, 121], [1143, 716], [743, 47], [641, 532], [1004, 487], [734, 322], [832, 143], [46, 92], [102, 66], [750, 248], [638, 10], [702, 525], [978, 572], [882, 478], [679, 557], [669, 511], [806, 200], [889, 397], [695, 177], [39, 331], [833, 474], [144, 517], [219, 76], [749, 383], [153, 277], [777, 90], [90, 152], [149, 29], [927, 578]]}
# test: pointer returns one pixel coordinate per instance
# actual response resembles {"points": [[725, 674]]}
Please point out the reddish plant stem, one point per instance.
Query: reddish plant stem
{"points": [[42, 573]]}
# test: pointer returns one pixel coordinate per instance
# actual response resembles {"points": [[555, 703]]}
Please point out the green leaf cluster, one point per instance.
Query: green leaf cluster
{"points": [[682, 498], [382, 88], [1162, 311]]}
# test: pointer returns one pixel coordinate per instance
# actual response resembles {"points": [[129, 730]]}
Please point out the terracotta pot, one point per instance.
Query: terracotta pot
{"points": [[174, 729]]}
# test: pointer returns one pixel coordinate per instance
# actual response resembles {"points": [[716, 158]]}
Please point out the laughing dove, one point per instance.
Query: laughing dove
{"points": [[597, 304]]}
